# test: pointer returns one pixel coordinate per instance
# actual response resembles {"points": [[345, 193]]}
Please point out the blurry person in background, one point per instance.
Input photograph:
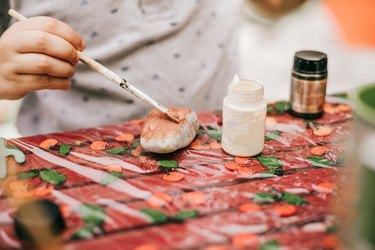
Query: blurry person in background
{"points": [[273, 30], [181, 52], [274, 9]]}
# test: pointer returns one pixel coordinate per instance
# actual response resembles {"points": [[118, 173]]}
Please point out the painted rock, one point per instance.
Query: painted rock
{"points": [[161, 135]]}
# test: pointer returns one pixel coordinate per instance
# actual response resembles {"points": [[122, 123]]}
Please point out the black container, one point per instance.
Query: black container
{"points": [[308, 86]]}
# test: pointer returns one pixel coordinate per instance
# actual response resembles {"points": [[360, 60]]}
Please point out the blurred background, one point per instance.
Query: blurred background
{"points": [[271, 31]]}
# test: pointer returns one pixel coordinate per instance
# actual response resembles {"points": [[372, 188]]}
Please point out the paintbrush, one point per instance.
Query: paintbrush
{"points": [[114, 78]]}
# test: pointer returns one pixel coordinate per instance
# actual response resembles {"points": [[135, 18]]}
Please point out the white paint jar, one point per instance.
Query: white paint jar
{"points": [[244, 117]]}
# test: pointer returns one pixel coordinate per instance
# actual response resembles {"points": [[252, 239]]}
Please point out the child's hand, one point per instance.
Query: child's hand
{"points": [[37, 53]]}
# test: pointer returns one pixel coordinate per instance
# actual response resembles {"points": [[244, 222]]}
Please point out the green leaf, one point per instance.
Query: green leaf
{"points": [[215, 134], [266, 174], [275, 171], [168, 164], [281, 107], [272, 135], [332, 229], [52, 177], [294, 199], [270, 161], [85, 232], [270, 171], [262, 198], [321, 162], [156, 215], [135, 144], [187, 214], [109, 178], [270, 245], [29, 174], [92, 214], [269, 108], [64, 149], [201, 132], [13, 147], [341, 95], [118, 150], [276, 193]]}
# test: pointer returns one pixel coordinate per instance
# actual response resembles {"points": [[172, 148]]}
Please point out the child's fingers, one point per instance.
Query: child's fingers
{"points": [[52, 26], [26, 83], [39, 82], [40, 64], [46, 43]]}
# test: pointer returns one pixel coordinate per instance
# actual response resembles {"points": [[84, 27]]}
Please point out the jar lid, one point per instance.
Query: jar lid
{"points": [[364, 101], [310, 62]]}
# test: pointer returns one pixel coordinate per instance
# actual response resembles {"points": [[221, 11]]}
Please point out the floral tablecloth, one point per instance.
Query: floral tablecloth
{"points": [[113, 195]]}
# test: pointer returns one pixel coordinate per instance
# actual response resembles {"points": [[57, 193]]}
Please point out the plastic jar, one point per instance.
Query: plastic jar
{"points": [[244, 115]]}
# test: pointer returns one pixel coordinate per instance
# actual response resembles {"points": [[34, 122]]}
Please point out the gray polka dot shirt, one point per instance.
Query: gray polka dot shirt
{"points": [[180, 52]]}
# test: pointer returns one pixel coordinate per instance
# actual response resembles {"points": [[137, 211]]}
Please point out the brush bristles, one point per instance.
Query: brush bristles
{"points": [[174, 117]]}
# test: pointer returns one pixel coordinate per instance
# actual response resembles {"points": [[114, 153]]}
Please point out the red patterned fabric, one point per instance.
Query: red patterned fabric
{"points": [[282, 197]]}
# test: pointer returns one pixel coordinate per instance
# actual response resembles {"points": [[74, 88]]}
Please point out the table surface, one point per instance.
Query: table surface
{"points": [[282, 197]]}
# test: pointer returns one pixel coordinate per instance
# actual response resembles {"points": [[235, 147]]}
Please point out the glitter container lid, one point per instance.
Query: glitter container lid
{"points": [[310, 62]]}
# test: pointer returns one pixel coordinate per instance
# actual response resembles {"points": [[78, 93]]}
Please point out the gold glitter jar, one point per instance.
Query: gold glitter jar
{"points": [[309, 81]]}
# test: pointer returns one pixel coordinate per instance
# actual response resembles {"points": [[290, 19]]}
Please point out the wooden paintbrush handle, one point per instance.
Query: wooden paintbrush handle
{"points": [[121, 82], [101, 69]]}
